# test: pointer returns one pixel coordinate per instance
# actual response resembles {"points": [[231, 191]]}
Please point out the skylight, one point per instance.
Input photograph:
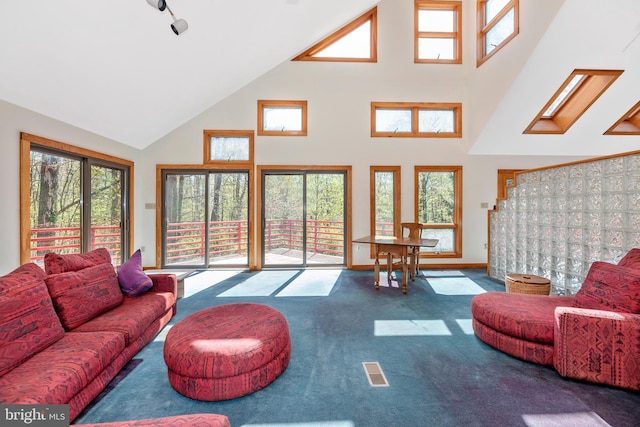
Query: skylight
{"points": [[560, 99], [578, 92], [629, 124]]}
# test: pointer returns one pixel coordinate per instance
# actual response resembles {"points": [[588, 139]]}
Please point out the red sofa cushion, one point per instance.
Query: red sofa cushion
{"points": [[28, 321], [132, 317], [524, 316], [610, 287], [57, 263], [79, 296], [64, 369], [631, 259]]}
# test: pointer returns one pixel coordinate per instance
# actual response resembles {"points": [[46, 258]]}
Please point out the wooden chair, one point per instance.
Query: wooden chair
{"points": [[391, 252], [413, 230]]}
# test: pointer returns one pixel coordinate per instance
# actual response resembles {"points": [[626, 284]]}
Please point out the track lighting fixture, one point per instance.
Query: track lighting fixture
{"points": [[179, 26]]}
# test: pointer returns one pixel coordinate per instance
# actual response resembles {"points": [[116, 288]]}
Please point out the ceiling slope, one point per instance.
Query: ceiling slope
{"points": [[586, 34], [116, 69]]}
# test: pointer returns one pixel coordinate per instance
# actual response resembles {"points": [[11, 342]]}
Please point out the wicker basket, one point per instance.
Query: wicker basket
{"points": [[527, 284]]}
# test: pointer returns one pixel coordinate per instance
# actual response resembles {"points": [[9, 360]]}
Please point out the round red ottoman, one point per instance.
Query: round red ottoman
{"points": [[227, 351]]}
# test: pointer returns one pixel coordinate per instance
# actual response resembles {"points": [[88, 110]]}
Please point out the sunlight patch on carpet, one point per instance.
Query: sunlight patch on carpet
{"points": [[261, 284], [206, 279], [455, 286], [162, 334], [311, 283], [582, 419], [441, 273], [465, 325], [396, 328]]}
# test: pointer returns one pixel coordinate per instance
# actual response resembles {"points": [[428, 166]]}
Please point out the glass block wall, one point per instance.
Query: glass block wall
{"points": [[556, 221]]}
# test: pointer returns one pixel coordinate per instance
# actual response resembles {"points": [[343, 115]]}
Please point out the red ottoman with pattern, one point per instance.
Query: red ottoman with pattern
{"points": [[227, 351]]}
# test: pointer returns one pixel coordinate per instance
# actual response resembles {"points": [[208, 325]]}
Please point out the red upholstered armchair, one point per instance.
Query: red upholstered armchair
{"points": [[592, 336]]}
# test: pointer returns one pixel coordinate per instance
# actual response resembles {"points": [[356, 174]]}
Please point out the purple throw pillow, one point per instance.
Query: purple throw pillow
{"points": [[133, 281]]}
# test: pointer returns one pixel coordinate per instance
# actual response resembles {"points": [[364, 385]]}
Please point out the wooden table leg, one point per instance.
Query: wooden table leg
{"points": [[404, 270], [412, 266]]}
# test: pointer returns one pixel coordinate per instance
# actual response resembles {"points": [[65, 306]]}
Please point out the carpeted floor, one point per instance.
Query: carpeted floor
{"points": [[439, 373]]}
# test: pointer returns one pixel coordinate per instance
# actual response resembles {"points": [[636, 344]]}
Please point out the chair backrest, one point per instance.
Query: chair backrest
{"points": [[412, 230]]}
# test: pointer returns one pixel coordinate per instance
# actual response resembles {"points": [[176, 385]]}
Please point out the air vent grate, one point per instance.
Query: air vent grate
{"points": [[374, 374]]}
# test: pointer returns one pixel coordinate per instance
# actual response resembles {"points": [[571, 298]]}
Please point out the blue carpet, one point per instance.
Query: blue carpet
{"points": [[439, 373]]}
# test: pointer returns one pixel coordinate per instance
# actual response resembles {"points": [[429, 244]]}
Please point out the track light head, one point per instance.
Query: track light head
{"points": [[158, 4], [179, 26]]}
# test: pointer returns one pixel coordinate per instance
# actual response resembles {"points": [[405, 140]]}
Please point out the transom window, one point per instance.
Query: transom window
{"points": [[438, 202], [426, 120], [438, 32], [282, 118], [228, 146], [498, 24]]}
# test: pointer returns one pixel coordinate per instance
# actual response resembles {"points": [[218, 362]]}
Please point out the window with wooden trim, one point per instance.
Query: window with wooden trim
{"points": [[385, 202], [355, 42], [578, 92], [282, 118], [228, 146], [416, 119], [498, 24], [438, 32], [629, 124], [438, 204]]}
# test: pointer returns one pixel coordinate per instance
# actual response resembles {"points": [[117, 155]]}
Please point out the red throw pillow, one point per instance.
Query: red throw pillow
{"points": [[79, 296], [56, 263], [610, 287], [133, 281], [28, 321]]}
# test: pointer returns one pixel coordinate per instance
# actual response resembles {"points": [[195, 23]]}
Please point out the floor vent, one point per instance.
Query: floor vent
{"points": [[374, 374]]}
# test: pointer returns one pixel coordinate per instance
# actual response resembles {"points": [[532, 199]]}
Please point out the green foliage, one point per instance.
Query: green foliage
{"points": [[436, 197]]}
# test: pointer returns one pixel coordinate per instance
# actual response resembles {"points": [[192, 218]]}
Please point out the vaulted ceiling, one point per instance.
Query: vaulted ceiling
{"points": [[116, 69]]}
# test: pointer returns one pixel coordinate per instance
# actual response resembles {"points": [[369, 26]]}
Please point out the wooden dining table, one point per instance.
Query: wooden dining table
{"points": [[404, 246]]}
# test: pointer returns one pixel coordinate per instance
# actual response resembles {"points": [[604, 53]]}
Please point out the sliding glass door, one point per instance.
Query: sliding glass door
{"points": [[303, 218], [205, 218], [77, 204]]}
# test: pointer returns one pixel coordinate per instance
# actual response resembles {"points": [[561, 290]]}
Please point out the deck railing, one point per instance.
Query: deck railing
{"points": [[67, 240], [186, 240]]}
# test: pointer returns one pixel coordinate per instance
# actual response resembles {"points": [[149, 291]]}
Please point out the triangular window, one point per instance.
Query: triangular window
{"points": [[355, 42]]}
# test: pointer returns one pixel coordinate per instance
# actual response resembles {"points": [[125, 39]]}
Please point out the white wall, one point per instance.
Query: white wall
{"points": [[13, 120], [339, 97]]}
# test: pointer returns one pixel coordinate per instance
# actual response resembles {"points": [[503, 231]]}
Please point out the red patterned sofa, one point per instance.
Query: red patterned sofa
{"points": [[191, 420], [592, 336], [65, 333]]}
